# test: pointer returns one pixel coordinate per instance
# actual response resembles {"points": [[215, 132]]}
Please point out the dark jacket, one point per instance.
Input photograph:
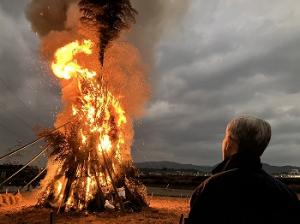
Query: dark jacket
{"points": [[240, 191]]}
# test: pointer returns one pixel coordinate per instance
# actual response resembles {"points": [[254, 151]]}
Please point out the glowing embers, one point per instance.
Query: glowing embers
{"points": [[91, 151], [65, 65], [105, 143], [99, 113]]}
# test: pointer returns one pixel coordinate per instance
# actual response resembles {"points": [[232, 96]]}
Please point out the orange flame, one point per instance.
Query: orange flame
{"points": [[99, 113], [65, 65]]}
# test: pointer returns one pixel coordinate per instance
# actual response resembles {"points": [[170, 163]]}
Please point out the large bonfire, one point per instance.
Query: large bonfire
{"points": [[90, 166]]}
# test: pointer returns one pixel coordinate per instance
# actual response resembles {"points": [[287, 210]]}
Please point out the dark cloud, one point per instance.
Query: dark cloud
{"points": [[155, 18], [224, 61], [212, 61]]}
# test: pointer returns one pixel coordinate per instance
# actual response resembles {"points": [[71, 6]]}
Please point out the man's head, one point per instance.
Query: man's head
{"points": [[246, 134]]}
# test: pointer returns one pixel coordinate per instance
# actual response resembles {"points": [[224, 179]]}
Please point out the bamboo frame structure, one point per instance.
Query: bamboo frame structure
{"points": [[32, 142], [23, 167]]}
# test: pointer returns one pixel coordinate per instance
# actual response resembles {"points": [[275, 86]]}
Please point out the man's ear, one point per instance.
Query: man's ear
{"points": [[233, 146], [230, 147], [226, 149]]}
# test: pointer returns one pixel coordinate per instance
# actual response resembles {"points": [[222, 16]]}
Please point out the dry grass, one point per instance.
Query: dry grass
{"points": [[162, 211]]}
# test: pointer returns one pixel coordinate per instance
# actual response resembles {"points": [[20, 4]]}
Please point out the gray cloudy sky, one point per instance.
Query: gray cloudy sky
{"points": [[225, 58]]}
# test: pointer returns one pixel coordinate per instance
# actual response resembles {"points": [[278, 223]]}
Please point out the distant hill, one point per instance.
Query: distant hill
{"points": [[159, 165], [279, 169]]}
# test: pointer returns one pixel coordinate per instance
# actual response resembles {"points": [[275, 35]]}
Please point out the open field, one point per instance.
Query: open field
{"points": [[166, 206], [163, 210]]}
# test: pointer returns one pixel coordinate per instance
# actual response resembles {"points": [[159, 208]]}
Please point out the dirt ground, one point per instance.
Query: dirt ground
{"points": [[163, 210]]}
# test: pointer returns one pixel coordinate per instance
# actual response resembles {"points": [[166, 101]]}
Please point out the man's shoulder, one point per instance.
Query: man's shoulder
{"points": [[241, 180], [218, 179], [238, 174], [222, 176], [213, 188]]}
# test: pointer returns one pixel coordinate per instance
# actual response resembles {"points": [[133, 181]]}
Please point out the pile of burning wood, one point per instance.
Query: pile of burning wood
{"points": [[90, 166]]}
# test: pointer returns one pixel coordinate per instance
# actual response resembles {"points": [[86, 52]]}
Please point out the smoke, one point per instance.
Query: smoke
{"points": [[154, 19], [48, 15]]}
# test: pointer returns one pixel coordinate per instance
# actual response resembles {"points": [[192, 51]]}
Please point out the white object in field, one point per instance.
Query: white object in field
{"points": [[121, 192], [108, 205]]}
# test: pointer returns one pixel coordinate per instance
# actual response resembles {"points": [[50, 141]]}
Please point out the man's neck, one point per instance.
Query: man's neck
{"points": [[241, 161]]}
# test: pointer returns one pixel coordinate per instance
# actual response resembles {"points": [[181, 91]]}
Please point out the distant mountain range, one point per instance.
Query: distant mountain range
{"points": [[159, 165]]}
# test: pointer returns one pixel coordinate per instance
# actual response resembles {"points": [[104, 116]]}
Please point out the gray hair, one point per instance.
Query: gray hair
{"points": [[251, 134]]}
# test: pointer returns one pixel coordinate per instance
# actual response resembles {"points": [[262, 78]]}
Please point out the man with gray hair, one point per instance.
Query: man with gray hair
{"points": [[240, 191]]}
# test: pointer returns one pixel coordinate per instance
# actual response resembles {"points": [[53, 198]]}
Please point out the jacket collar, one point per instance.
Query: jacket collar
{"points": [[241, 161]]}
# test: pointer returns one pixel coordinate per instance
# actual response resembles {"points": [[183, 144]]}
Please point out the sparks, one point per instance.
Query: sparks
{"points": [[100, 129]]}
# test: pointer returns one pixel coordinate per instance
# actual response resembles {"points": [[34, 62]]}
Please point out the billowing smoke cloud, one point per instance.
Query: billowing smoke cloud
{"points": [[48, 15], [154, 18]]}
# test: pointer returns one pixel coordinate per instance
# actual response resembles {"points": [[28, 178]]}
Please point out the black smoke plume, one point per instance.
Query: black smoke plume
{"points": [[110, 17]]}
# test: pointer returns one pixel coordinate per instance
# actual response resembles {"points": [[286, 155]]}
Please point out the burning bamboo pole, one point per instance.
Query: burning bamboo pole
{"points": [[109, 17]]}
